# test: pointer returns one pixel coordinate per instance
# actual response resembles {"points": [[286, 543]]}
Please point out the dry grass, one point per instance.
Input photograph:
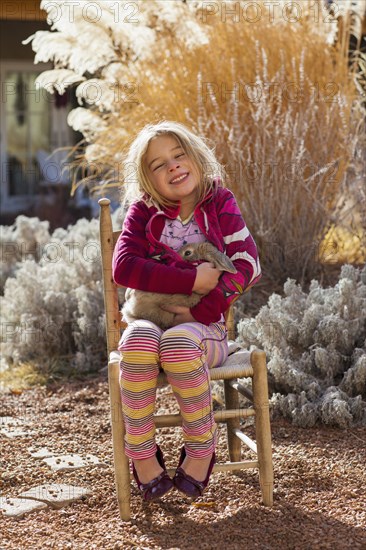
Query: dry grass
{"points": [[348, 246], [285, 121], [21, 377], [27, 375]]}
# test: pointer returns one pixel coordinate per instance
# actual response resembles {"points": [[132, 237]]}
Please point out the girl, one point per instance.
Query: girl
{"points": [[174, 199]]}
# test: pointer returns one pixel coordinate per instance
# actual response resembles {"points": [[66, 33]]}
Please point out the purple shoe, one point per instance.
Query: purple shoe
{"points": [[158, 486], [187, 484]]}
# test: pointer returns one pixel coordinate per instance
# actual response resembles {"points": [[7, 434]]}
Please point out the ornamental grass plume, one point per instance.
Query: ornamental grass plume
{"points": [[286, 122], [102, 47]]}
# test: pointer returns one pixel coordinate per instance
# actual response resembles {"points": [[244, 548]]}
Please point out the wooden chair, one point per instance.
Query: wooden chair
{"points": [[239, 365]]}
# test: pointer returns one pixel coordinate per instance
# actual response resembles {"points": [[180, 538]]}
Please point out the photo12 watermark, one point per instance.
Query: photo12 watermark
{"points": [[92, 91], [46, 331], [71, 11], [211, 92], [251, 11], [51, 252]]}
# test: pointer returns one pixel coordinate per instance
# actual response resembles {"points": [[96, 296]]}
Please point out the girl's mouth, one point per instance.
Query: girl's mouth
{"points": [[179, 179]]}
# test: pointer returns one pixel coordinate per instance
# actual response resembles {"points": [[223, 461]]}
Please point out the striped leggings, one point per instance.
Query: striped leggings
{"points": [[185, 352]]}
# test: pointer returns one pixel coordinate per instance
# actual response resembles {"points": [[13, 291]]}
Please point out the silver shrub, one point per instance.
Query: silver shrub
{"points": [[52, 305], [316, 350], [25, 238]]}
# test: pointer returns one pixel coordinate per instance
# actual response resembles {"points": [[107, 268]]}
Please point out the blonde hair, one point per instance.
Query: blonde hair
{"points": [[137, 185]]}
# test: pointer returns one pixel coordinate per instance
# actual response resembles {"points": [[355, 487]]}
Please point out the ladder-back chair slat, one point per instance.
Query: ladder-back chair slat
{"points": [[113, 315]]}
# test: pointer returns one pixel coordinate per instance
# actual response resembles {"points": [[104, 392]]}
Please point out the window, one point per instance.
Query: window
{"points": [[33, 125]]}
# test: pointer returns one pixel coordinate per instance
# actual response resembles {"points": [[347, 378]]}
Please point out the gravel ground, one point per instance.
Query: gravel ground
{"points": [[319, 497]]}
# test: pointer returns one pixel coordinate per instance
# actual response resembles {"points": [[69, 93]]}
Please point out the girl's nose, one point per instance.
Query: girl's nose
{"points": [[173, 165]]}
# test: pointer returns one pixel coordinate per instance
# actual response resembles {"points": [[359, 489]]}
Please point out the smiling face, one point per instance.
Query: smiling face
{"points": [[172, 172]]}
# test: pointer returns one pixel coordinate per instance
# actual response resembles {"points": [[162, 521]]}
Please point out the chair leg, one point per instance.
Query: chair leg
{"points": [[121, 463], [232, 402], [262, 424]]}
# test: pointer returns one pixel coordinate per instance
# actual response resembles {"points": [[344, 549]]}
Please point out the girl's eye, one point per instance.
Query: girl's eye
{"points": [[163, 163]]}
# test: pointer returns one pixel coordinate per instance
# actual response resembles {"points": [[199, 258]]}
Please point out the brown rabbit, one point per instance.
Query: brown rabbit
{"points": [[148, 305]]}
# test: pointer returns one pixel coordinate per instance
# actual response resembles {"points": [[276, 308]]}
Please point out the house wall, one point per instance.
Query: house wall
{"points": [[12, 33]]}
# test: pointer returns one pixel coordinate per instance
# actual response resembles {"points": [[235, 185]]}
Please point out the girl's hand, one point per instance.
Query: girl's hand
{"points": [[182, 314], [206, 279]]}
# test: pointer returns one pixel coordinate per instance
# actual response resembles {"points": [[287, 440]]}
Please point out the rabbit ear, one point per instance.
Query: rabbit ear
{"points": [[223, 263]]}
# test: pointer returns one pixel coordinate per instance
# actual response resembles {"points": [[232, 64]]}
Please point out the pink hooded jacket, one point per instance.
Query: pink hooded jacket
{"points": [[141, 261]]}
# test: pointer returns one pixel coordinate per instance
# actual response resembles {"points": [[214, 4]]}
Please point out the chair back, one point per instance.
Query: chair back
{"points": [[108, 239]]}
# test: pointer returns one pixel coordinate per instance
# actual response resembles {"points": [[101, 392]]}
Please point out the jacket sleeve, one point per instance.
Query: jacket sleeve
{"points": [[132, 267], [241, 249]]}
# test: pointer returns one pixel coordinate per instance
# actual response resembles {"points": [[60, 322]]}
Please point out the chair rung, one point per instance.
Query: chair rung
{"points": [[227, 466], [246, 440], [226, 414], [166, 420], [246, 392], [236, 371]]}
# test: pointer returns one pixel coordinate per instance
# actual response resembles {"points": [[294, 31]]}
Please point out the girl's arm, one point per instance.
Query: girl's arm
{"points": [[134, 269], [242, 250]]}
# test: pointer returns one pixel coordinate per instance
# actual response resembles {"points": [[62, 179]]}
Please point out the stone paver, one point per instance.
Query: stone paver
{"points": [[16, 432], [72, 462], [13, 427], [56, 495], [9, 421], [17, 507], [42, 452]]}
